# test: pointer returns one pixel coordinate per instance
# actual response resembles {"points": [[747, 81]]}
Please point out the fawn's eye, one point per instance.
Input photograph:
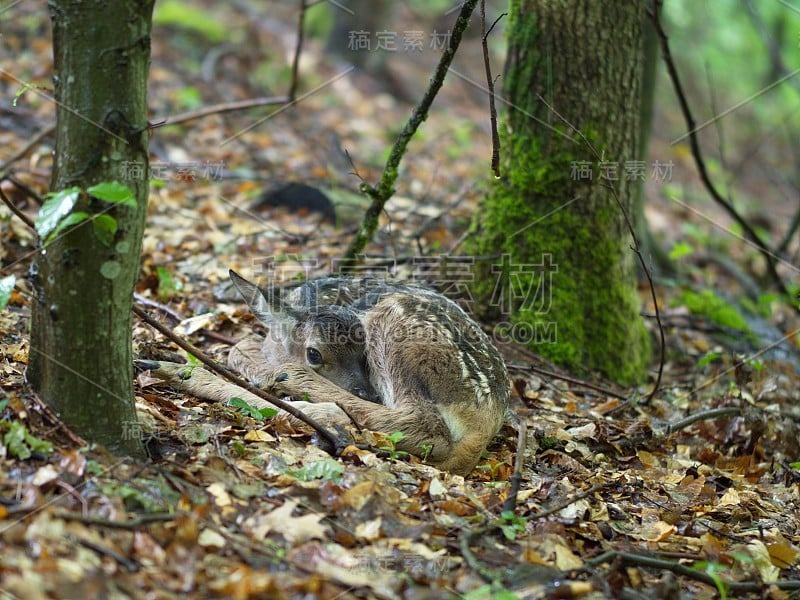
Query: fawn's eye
{"points": [[313, 357]]}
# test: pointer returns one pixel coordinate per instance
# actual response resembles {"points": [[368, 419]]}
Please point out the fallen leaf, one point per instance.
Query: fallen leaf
{"points": [[280, 520]]}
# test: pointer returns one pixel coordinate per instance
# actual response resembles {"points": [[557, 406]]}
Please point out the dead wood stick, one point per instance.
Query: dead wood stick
{"points": [[686, 571], [336, 445]]}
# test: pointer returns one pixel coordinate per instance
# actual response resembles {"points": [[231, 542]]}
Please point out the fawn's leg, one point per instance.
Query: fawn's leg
{"points": [[426, 433], [201, 383]]}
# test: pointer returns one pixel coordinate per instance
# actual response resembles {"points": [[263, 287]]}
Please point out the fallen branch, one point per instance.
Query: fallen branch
{"points": [[679, 569], [336, 445]]}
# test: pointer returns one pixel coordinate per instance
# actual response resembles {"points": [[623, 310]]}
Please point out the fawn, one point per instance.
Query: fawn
{"points": [[391, 356]]}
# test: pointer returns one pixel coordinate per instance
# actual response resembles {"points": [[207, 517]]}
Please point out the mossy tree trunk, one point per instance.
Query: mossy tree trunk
{"points": [[80, 359], [566, 280]]}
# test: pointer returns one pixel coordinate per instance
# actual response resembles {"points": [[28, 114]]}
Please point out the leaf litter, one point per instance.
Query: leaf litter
{"points": [[236, 505]]}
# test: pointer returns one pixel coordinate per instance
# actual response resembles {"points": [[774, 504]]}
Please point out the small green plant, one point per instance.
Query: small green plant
{"points": [[714, 570], [259, 414], [491, 468], [708, 357], [327, 470], [426, 451], [510, 524], [391, 447], [167, 284], [20, 442], [547, 443]]}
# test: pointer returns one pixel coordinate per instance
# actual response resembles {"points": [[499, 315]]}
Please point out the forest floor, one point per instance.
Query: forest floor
{"points": [[694, 493]]}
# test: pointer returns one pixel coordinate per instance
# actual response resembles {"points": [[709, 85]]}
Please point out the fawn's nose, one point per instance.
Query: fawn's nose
{"points": [[365, 394]]}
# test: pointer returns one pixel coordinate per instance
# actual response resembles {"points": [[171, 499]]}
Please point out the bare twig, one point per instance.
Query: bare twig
{"points": [[706, 415], [157, 305], [25, 188], [510, 503], [685, 571], [43, 133], [336, 445], [222, 108], [381, 193], [568, 379], [565, 503], [13, 208], [129, 525], [490, 87], [297, 49], [697, 154]]}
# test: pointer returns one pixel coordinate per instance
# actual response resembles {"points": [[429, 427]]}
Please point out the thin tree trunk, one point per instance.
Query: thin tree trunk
{"points": [[80, 360]]}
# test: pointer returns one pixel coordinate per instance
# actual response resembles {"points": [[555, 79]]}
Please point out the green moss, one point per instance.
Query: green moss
{"points": [[578, 309], [708, 304]]}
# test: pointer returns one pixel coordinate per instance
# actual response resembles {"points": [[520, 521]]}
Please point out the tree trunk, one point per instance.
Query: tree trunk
{"points": [[566, 281], [80, 359]]}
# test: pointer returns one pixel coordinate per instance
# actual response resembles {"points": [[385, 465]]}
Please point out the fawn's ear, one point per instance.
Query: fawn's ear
{"points": [[269, 310]]}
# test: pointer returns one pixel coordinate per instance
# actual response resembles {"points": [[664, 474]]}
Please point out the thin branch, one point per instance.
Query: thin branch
{"points": [[381, 193], [25, 188], [13, 208], [490, 87], [222, 108], [510, 503], [706, 415], [297, 50], [686, 571], [565, 503], [128, 525], [43, 133], [694, 144], [568, 379], [336, 445]]}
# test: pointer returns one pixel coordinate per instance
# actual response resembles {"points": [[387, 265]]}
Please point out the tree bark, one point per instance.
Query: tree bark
{"points": [[566, 281], [81, 360]]}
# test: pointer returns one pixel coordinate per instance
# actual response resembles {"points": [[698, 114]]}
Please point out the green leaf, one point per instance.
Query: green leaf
{"points": [[14, 441], [326, 469], [259, 414], [395, 436], [167, 285], [72, 219], [708, 357], [21, 443], [6, 287], [105, 228], [113, 192], [55, 209], [3, 404], [680, 250]]}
